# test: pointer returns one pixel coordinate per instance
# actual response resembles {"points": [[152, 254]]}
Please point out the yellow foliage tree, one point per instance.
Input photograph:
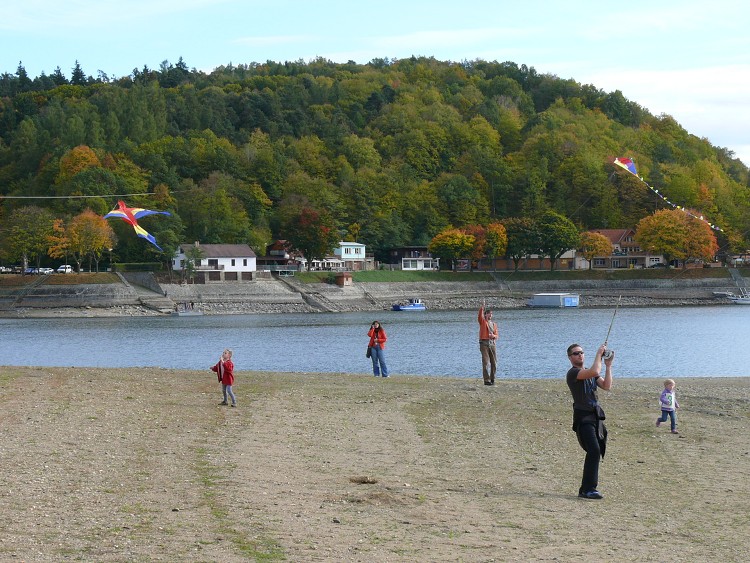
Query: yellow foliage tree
{"points": [[76, 160], [89, 235], [594, 244]]}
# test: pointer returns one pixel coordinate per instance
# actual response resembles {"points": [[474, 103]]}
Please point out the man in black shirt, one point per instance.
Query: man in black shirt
{"points": [[588, 415]]}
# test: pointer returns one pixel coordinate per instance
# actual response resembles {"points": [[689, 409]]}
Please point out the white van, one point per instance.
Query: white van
{"points": [[65, 269]]}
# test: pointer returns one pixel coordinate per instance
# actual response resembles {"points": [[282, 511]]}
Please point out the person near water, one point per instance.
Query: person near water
{"points": [[588, 415], [669, 405], [487, 340], [378, 338], [224, 369]]}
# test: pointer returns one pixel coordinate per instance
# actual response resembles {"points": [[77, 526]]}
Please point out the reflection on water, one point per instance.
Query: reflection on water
{"points": [[649, 342]]}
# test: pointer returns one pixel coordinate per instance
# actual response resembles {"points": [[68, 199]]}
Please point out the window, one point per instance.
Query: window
{"points": [[244, 261], [232, 261], [599, 262]]}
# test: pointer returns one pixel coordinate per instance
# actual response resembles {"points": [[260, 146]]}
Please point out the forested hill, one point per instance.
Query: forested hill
{"points": [[388, 153]]}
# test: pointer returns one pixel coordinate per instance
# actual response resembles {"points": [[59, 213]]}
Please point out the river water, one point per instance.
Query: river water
{"points": [[649, 342]]}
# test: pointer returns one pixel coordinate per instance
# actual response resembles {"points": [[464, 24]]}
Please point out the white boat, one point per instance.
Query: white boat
{"points": [[413, 305], [554, 300], [193, 313], [742, 299], [186, 310]]}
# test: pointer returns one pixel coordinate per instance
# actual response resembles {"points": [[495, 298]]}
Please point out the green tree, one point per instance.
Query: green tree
{"points": [[193, 257], [523, 239], [25, 234], [557, 235]]}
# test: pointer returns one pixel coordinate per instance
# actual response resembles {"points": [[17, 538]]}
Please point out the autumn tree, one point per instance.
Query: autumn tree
{"points": [[89, 235], [676, 235], [59, 243], [495, 241], [451, 244], [665, 232], [594, 244], [312, 232], [557, 235]]}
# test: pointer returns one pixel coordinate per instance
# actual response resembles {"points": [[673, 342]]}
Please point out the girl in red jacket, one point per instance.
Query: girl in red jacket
{"points": [[377, 345], [224, 369]]}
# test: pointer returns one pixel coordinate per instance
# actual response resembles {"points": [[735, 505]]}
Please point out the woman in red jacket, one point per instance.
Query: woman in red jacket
{"points": [[224, 369], [377, 345]]}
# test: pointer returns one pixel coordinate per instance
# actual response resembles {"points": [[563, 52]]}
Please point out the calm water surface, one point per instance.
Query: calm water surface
{"points": [[650, 342]]}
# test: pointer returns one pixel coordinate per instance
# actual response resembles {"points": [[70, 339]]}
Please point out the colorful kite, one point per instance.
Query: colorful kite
{"points": [[131, 215], [629, 165]]}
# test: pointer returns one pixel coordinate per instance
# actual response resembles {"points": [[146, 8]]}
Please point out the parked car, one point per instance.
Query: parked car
{"points": [[658, 265], [65, 269], [5, 270], [45, 271], [29, 271]]}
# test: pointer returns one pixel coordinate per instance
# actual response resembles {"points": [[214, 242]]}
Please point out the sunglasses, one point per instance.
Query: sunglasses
{"points": [[578, 353]]}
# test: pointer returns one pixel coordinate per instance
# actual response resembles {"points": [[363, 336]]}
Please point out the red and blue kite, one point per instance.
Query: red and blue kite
{"points": [[627, 164], [131, 215]]}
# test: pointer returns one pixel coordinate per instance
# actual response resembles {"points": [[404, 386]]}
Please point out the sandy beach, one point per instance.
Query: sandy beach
{"points": [[144, 465]]}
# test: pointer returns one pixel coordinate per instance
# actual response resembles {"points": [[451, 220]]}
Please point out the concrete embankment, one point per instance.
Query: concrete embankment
{"points": [[141, 294]]}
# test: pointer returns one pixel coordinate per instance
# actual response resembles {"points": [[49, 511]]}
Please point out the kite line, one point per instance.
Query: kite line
{"points": [[69, 196], [629, 165]]}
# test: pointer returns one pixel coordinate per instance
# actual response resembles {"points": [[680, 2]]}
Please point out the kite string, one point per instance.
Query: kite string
{"points": [[70, 196], [629, 165]]}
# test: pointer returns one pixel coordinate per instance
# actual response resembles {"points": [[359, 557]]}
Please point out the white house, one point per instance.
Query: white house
{"points": [[352, 254], [219, 262]]}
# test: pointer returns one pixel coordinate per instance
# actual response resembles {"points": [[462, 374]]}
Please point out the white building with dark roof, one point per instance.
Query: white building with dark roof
{"points": [[219, 262]]}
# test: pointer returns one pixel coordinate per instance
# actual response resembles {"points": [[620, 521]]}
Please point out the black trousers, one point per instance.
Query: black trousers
{"points": [[589, 441]]}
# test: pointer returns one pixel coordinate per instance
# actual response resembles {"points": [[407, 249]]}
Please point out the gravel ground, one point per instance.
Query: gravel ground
{"points": [[143, 465]]}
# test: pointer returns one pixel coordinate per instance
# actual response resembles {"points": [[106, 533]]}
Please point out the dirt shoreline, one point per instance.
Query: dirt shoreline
{"points": [[143, 465]]}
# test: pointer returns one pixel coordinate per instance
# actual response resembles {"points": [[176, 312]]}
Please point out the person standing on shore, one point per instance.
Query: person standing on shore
{"points": [[669, 405], [224, 369], [487, 340], [588, 415], [378, 338]]}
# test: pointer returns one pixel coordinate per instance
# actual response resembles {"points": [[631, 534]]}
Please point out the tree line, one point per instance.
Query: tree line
{"points": [[390, 153]]}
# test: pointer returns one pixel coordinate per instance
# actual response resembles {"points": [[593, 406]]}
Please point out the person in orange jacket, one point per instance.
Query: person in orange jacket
{"points": [[378, 338], [487, 339], [224, 369]]}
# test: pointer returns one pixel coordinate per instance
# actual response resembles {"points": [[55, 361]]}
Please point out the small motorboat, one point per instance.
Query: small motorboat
{"points": [[413, 305], [187, 310]]}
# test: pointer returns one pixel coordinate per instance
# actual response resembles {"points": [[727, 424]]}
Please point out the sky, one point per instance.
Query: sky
{"points": [[689, 59]]}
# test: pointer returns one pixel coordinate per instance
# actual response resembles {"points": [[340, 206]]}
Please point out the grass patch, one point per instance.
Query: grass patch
{"points": [[623, 274], [398, 276], [262, 549], [101, 278], [522, 275]]}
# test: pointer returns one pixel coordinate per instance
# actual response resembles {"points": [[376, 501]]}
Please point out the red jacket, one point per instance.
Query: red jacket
{"points": [[380, 339], [225, 372]]}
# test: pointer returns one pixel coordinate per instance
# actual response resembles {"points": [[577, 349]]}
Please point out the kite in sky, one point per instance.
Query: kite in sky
{"points": [[629, 165], [131, 215]]}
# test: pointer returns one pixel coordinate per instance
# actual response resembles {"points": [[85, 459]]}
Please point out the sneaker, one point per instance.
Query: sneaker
{"points": [[233, 405], [658, 422], [386, 376], [675, 432], [591, 495], [223, 403]]}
